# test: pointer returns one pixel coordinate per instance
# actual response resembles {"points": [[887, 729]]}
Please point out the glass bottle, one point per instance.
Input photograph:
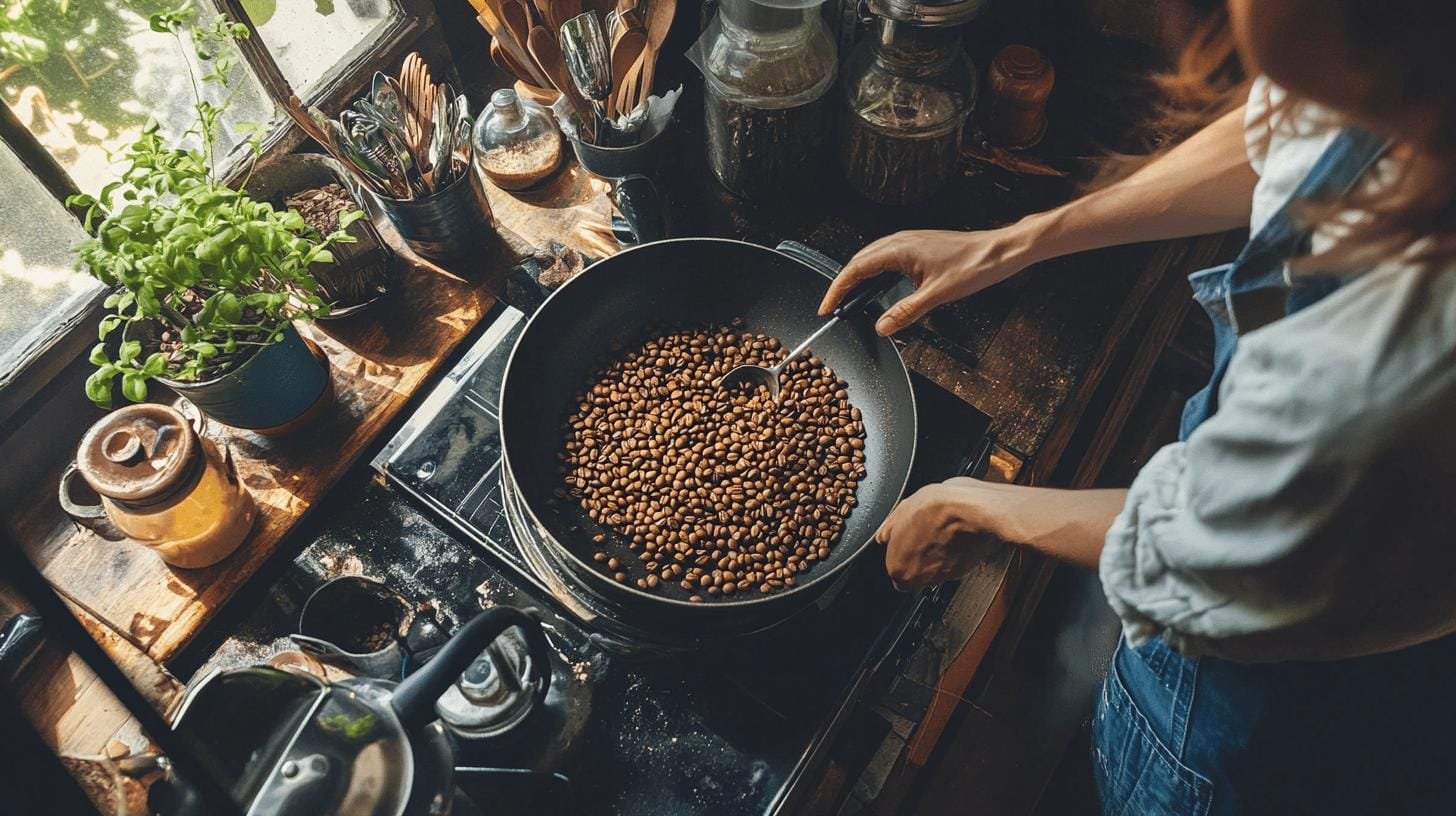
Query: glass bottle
{"points": [[517, 145], [908, 90], [767, 65]]}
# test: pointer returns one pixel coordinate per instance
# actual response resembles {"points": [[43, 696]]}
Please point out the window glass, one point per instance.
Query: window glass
{"points": [[84, 76], [308, 37], [38, 287]]}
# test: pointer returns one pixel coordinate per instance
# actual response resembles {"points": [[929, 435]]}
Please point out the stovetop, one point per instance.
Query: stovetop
{"points": [[740, 721], [739, 728]]}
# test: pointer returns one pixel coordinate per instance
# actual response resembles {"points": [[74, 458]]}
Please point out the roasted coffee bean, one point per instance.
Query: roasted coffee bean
{"points": [[740, 492]]}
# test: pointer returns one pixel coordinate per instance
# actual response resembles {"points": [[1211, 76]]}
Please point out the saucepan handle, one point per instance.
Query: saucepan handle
{"points": [[861, 297], [414, 699], [637, 199], [823, 264]]}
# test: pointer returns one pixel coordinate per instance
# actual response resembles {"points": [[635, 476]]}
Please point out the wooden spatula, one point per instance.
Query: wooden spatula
{"points": [[626, 50]]}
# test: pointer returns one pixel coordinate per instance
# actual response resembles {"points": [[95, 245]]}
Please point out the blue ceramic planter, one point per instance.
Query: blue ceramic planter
{"points": [[270, 392]]}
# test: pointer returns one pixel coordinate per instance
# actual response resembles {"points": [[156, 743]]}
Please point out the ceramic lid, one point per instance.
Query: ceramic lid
{"points": [[137, 454]]}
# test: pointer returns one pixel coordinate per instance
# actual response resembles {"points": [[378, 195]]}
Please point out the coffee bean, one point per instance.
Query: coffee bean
{"points": [[743, 491]]}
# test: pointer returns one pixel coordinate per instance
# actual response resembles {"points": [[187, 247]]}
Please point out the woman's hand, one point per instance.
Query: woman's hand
{"points": [[937, 534], [944, 265], [931, 537]]}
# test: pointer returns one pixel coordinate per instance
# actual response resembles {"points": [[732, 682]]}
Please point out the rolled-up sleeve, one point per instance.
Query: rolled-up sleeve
{"points": [[1305, 519]]}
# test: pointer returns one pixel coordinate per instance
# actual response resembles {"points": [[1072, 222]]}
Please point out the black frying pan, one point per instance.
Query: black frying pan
{"points": [[642, 292]]}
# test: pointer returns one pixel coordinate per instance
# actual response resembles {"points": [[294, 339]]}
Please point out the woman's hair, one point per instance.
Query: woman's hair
{"points": [[1411, 213]]}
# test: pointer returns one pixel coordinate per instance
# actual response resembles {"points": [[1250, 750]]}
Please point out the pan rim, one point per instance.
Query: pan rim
{"points": [[706, 607]]}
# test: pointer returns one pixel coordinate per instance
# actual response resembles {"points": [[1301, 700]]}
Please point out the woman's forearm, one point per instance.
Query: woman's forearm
{"points": [[1202, 186], [1066, 524]]}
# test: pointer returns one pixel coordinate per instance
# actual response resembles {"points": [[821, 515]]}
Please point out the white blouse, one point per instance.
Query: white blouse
{"points": [[1314, 515]]}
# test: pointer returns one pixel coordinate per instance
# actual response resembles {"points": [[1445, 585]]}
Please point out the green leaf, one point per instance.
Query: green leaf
{"points": [[128, 351], [107, 326], [350, 217], [155, 364], [98, 355], [229, 308], [134, 386], [98, 385]]}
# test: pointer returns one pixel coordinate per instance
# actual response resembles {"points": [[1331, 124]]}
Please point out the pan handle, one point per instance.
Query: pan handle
{"points": [[821, 263]]}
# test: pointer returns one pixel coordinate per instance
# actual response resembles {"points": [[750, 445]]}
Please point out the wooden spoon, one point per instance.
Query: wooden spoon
{"points": [[565, 10], [490, 20], [516, 15], [626, 50], [548, 56], [659, 22]]}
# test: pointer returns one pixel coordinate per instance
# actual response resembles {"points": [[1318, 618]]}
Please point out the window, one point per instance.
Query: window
{"points": [[309, 37], [82, 77], [37, 284], [91, 75]]}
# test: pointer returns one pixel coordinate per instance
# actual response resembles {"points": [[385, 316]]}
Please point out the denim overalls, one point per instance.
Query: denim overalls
{"points": [[1372, 735]]}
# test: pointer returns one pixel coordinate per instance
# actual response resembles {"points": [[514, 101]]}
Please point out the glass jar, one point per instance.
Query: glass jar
{"points": [[517, 145], [766, 70], [908, 90]]}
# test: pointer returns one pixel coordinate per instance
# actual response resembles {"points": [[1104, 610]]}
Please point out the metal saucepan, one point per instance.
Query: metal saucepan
{"points": [[638, 293]]}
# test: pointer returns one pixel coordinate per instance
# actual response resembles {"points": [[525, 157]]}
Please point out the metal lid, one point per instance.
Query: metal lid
{"points": [[137, 454], [495, 694], [929, 12]]}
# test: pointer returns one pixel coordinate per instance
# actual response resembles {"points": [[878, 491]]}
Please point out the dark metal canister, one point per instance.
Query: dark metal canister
{"points": [[448, 224]]}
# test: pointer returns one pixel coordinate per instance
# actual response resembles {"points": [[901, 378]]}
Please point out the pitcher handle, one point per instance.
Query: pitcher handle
{"points": [[91, 516]]}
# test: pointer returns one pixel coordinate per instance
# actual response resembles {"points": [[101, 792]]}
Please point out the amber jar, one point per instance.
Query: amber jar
{"points": [[165, 486], [1020, 81]]}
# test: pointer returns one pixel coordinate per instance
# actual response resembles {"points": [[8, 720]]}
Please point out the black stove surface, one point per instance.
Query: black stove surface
{"points": [[727, 730]]}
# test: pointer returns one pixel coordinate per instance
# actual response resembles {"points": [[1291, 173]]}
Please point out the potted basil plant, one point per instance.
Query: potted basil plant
{"points": [[208, 281]]}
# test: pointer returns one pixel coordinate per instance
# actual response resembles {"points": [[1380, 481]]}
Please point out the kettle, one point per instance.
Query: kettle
{"points": [[284, 743], [162, 484]]}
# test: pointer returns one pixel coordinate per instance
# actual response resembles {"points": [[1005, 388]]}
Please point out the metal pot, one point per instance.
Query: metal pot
{"points": [[285, 743]]}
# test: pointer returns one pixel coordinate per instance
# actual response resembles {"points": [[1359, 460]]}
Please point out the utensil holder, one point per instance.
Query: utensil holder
{"points": [[447, 224], [642, 159]]}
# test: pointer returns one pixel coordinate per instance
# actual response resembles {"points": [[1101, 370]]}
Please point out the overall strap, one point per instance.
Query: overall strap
{"points": [[1336, 172]]}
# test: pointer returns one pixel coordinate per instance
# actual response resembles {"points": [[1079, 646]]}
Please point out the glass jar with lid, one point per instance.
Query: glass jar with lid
{"points": [[517, 144], [767, 67], [908, 90]]}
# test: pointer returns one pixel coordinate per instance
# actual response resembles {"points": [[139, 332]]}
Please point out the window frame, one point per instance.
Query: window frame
{"points": [[51, 352]]}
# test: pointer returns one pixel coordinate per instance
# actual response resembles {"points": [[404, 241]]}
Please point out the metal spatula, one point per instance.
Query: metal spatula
{"points": [[862, 296]]}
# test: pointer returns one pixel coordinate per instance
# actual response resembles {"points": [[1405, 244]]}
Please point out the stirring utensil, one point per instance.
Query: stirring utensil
{"points": [[865, 294]]}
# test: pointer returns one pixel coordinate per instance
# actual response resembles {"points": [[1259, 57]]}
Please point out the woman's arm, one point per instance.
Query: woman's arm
{"points": [[930, 537], [1203, 185]]}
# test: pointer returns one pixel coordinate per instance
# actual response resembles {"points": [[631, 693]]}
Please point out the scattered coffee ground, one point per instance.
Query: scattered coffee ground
{"points": [[713, 491]]}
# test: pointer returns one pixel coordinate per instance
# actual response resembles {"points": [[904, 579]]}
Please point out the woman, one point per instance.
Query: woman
{"points": [[1285, 573]]}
